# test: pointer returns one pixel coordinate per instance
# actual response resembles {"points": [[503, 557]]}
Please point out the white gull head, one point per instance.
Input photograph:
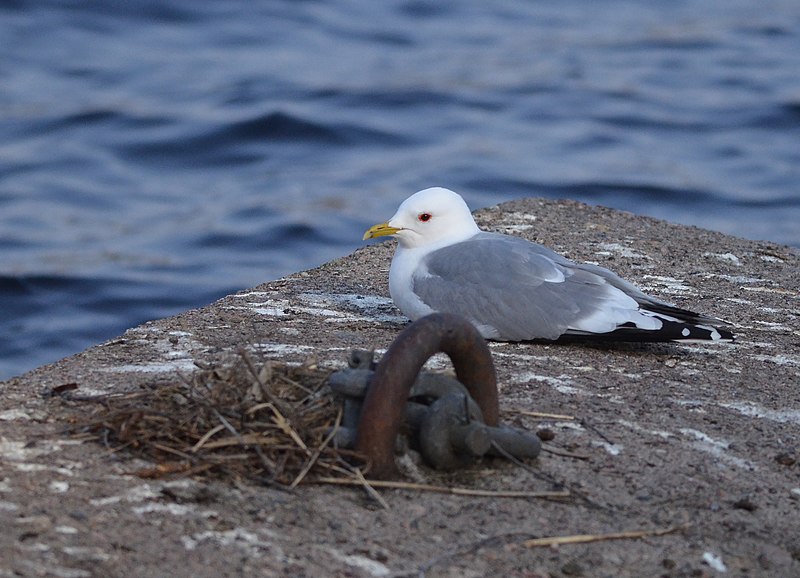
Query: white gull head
{"points": [[431, 218]]}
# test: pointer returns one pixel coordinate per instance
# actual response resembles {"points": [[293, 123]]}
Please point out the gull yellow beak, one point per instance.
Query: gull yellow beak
{"points": [[379, 230]]}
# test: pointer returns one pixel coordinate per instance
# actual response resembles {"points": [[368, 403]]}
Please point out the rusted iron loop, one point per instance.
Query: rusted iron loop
{"points": [[384, 405]]}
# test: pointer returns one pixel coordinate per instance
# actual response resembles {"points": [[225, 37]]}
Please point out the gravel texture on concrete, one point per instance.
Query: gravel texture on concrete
{"points": [[702, 440]]}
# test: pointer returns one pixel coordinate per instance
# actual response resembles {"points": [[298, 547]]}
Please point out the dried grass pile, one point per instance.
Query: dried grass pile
{"points": [[268, 422]]}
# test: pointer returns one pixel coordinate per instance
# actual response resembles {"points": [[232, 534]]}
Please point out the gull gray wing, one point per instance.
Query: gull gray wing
{"points": [[514, 289]]}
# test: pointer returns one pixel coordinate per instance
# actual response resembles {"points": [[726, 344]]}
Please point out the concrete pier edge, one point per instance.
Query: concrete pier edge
{"points": [[705, 438]]}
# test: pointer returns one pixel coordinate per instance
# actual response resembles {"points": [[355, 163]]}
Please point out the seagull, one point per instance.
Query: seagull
{"points": [[512, 289]]}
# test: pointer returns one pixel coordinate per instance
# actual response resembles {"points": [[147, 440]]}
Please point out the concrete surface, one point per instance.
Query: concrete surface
{"points": [[702, 438]]}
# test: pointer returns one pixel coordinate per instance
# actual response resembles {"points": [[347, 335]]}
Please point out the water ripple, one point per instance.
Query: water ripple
{"points": [[155, 155]]}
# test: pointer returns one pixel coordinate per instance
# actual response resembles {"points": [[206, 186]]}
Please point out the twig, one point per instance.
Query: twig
{"points": [[367, 485], [548, 477], [268, 464], [346, 469], [446, 489], [564, 454], [318, 452], [255, 408], [283, 423], [246, 440], [519, 463], [254, 372], [585, 538], [228, 426], [170, 450], [542, 415], [294, 383], [206, 437], [595, 429]]}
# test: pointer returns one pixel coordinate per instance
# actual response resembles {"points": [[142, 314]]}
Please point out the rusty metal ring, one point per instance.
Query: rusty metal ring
{"points": [[384, 405]]}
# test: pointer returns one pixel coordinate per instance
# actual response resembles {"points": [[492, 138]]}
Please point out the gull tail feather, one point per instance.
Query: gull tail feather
{"points": [[676, 325]]}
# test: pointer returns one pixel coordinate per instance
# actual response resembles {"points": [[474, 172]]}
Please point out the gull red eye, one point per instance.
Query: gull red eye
{"points": [[424, 217]]}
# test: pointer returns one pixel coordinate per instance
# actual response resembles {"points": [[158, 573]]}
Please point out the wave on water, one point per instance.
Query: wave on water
{"points": [[154, 156], [45, 318]]}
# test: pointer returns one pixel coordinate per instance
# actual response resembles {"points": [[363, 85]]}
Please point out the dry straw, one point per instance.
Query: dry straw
{"points": [[266, 422]]}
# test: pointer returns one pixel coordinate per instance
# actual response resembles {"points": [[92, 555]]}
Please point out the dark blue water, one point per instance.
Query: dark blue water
{"points": [[155, 156]]}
